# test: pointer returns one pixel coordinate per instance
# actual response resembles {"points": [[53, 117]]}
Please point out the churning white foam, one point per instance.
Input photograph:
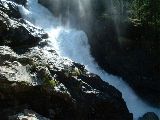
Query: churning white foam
{"points": [[73, 44]]}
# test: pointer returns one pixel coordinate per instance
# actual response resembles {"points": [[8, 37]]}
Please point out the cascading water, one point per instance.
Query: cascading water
{"points": [[73, 44]]}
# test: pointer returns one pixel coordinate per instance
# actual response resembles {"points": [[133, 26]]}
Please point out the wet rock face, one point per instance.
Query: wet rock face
{"points": [[149, 116], [10, 8], [58, 89], [21, 2], [16, 32], [27, 115], [11, 69]]}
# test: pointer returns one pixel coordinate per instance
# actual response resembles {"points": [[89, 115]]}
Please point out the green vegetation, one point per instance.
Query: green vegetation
{"points": [[142, 16], [147, 12], [51, 83]]}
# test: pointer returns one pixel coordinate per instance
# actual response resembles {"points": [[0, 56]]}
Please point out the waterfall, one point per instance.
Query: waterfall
{"points": [[73, 44]]}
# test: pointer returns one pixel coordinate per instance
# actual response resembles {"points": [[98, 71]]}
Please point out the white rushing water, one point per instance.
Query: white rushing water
{"points": [[73, 44]]}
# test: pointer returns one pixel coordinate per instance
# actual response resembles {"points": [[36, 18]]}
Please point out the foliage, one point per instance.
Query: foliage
{"points": [[144, 14], [51, 83], [148, 13]]}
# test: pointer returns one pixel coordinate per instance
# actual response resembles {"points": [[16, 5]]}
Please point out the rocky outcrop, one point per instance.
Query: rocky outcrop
{"points": [[27, 115], [56, 88], [10, 8], [149, 116], [40, 80], [16, 32]]}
